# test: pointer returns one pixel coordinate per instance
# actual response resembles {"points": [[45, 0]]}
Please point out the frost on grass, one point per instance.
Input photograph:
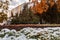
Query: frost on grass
{"points": [[31, 34]]}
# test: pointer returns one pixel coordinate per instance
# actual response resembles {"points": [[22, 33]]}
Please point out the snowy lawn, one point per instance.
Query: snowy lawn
{"points": [[49, 33]]}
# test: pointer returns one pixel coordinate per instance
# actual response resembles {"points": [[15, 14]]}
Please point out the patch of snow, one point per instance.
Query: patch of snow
{"points": [[32, 39], [15, 3]]}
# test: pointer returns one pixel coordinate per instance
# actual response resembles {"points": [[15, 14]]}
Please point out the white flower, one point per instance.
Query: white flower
{"points": [[32, 39], [6, 36], [13, 31], [27, 33], [11, 38], [39, 39], [22, 37], [1, 33], [5, 30]]}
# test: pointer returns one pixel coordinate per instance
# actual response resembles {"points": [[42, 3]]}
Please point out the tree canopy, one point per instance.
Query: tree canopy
{"points": [[40, 7]]}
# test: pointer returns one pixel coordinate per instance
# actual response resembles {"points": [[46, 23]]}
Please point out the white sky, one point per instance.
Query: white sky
{"points": [[15, 3]]}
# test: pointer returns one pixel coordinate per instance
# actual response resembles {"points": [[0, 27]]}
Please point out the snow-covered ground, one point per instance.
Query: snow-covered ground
{"points": [[49, 33]]}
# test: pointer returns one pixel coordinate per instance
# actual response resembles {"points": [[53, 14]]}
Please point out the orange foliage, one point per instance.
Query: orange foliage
{"points": [[43, 7], [40, 7], [37, 8], [58, 5], [51, 2], [34, 0]]}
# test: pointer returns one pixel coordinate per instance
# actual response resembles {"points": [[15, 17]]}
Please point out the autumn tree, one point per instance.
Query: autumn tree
{"points": [[3, 16], [3, 10], [50, 15], [48, 10], [39, 8]]}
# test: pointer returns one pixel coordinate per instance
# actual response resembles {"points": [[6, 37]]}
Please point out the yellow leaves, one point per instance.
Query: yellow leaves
{"points": [[3, 17], [5, 7], [0, 3]]}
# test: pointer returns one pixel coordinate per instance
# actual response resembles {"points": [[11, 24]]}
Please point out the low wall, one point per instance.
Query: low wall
{"points": [[20, 26]]}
